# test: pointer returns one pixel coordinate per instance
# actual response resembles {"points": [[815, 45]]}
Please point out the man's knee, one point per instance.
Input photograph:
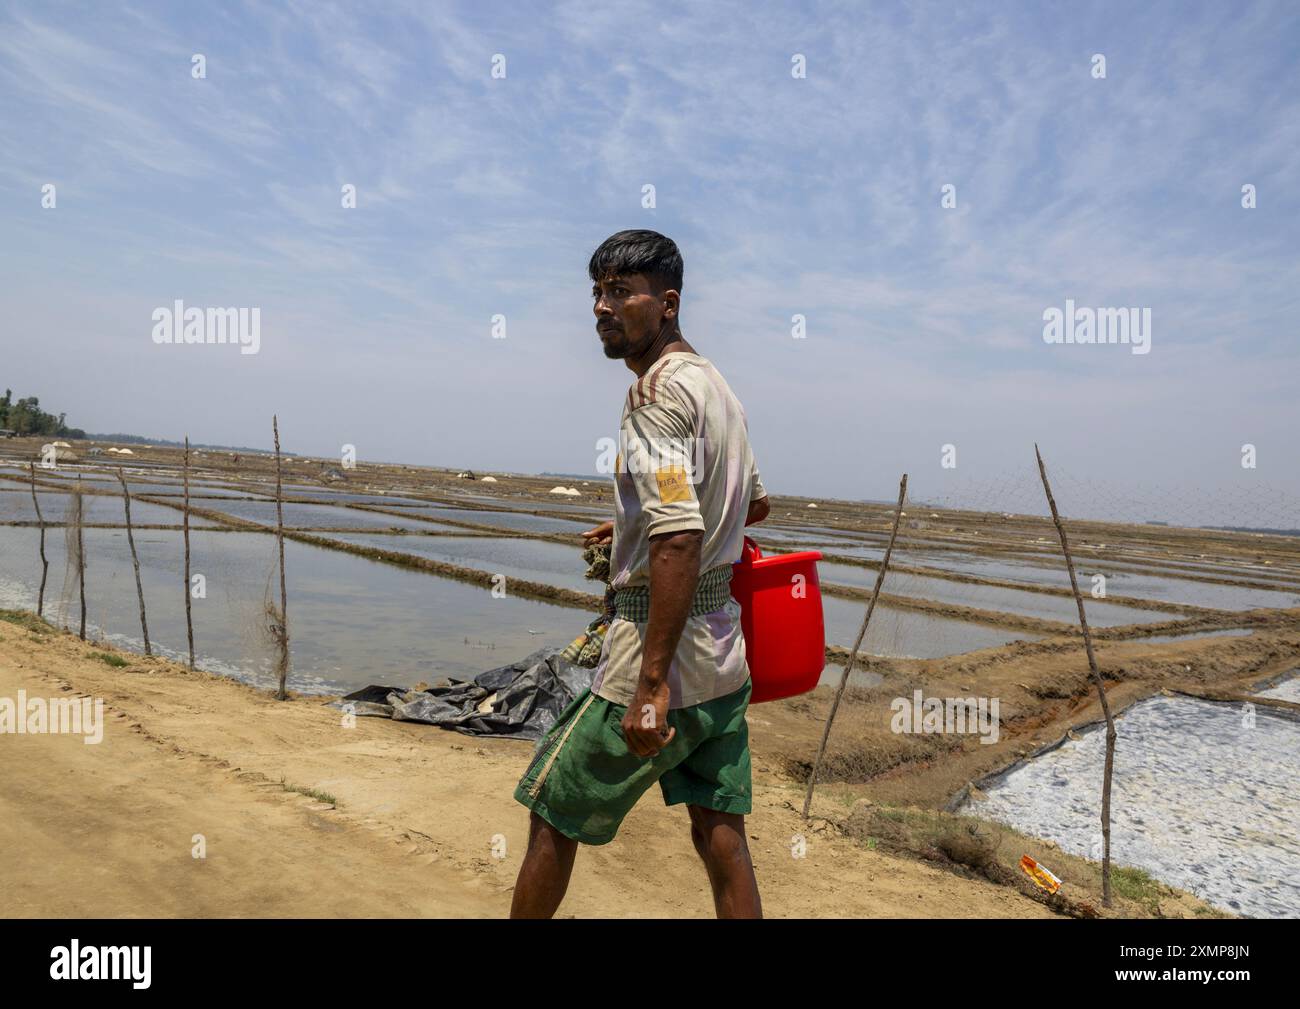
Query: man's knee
{"points": [[543, 837], [718, 837]]}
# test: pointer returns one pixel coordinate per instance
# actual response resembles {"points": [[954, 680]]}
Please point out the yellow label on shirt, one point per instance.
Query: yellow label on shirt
{"points": [[672, 484]]}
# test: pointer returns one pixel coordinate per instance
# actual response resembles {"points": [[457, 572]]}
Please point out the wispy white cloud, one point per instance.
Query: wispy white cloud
{"points": [[819, 197]]}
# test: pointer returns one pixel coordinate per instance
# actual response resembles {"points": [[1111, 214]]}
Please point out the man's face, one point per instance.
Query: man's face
{"points": [[629, 314]]}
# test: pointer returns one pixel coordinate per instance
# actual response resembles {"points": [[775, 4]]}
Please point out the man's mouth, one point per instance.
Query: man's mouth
{"points": [[606, 330]]}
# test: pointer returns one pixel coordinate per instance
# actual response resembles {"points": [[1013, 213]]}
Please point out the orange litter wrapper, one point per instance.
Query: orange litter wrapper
{"points": [[1042, 876]]}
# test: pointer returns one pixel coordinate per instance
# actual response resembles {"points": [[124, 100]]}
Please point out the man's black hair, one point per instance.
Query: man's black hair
{"points": [[638, 251]]}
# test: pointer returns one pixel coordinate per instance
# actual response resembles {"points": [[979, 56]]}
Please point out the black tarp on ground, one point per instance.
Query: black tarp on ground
{"points": [[521, 700]]}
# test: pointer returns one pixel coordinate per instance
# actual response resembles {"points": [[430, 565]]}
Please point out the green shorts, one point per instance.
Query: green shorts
{"points": [[583, 779]]}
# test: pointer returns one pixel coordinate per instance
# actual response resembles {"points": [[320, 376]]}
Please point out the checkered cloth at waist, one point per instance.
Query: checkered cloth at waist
{"points": [[712, 592]]}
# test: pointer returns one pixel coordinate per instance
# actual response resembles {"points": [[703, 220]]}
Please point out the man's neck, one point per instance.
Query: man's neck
{"points": [[666, 343]]}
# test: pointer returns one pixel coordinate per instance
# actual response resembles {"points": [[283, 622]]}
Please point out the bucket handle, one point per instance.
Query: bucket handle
{"points": [[750, 551]]}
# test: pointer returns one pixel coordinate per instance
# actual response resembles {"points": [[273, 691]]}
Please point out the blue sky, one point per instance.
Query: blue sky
{"points": [[817, 196]]}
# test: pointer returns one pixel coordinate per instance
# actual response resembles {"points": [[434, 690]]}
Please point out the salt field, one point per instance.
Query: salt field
{"points": [[94, 508], [354, 622], [909, 634], [1204, 797], [1155, 587], [513, 521], [991, 597], [326, 516], [532, 560]]}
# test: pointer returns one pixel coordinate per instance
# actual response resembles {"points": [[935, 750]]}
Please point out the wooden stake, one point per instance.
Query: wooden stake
{"points": [[81, 556], [135, 560], [853, 655], [189, 620], [283, 630], [1096, 679], [45, 564]]}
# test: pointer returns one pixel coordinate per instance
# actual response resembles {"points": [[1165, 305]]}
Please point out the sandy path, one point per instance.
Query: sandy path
{"points": [[105, 830]]}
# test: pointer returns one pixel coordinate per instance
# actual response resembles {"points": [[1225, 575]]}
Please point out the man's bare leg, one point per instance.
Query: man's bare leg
{"points": [[720, 840], [544, 876]]}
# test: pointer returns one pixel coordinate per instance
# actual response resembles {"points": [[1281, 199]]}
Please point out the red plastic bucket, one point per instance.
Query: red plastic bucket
{"points": [[781, 618]]}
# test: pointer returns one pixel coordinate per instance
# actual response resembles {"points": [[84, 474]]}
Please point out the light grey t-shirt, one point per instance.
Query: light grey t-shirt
{"points": [[684, 463]]}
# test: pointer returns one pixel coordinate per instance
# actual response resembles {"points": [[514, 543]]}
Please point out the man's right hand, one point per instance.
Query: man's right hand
{"points": [[603, 533]]}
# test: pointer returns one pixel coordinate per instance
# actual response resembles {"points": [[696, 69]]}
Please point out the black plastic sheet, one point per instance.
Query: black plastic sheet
{"points": [[521, 700]]}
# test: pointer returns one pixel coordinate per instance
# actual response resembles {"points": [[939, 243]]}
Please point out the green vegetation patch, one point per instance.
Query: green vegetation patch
{"points": [[29, 621], [312, 793]]}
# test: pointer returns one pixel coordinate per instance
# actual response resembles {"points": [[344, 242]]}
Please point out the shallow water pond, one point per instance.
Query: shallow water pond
{"points": [[532, 560], [1234, 632], [908, 634], [513, 521], [991, 597], [324, 516], [95, 508], [1156, 587], [352, 621]]}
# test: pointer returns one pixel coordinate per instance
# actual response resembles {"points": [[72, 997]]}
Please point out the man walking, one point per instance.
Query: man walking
{"points": [[670, 692]]}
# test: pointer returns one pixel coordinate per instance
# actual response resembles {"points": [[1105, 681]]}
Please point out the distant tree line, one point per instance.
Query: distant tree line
{"points": [[27, 417], [137, 439]]}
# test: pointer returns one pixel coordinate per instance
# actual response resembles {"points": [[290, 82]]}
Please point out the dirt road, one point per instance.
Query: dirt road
{"points": [[109, 829]]}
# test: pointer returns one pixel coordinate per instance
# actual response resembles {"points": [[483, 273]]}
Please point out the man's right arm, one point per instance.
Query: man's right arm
{"points": [[758, 510]]}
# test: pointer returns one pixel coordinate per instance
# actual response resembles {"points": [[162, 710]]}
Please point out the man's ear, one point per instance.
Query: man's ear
{"points": [[672, 302]]}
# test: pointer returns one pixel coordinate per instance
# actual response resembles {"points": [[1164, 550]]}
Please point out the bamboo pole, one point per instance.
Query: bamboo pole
{"points": [[853, 655], [1096, 679], [283, 629], [135, 560], [45, 564], [185, 515], [81, 557]]}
